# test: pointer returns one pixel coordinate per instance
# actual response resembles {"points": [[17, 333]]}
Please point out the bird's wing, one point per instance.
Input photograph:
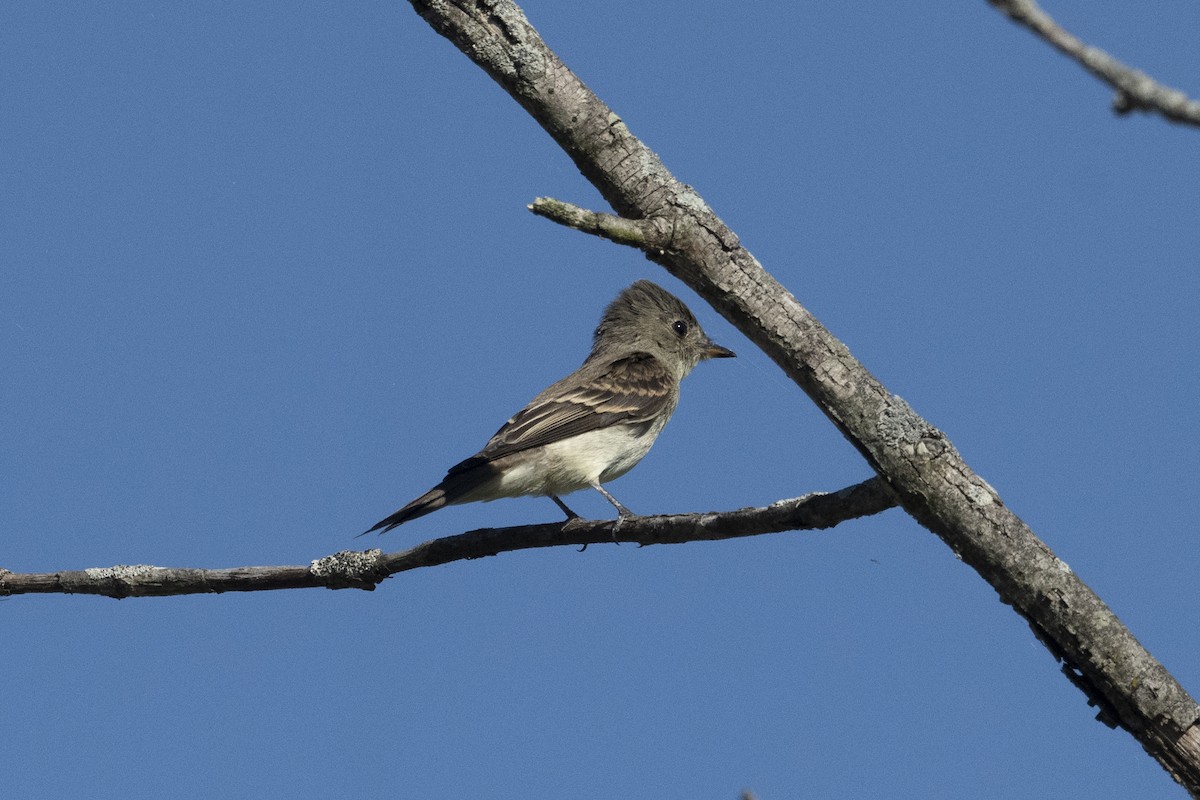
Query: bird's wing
{"points": [[631, 390]]}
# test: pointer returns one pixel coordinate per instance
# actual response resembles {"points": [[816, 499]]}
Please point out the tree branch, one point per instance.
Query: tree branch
{"points": [[919, 463], [1136, 91], [366, 569], [640, 233]]}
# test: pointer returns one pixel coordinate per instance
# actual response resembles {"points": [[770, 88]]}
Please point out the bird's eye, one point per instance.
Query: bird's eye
{"points": [[680, 327]]}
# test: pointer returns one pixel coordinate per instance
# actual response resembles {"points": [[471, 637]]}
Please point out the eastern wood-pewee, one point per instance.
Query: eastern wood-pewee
{"points": [[593, 425]]}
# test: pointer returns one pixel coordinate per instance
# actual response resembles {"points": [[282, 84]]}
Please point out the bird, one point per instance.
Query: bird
{"points": [[595, 424]]}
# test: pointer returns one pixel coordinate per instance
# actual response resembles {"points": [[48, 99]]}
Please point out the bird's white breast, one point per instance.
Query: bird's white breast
{"points": [[570, 465]]}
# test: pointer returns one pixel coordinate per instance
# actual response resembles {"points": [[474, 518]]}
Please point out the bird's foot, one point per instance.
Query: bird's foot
{"points": [[623, 515]]}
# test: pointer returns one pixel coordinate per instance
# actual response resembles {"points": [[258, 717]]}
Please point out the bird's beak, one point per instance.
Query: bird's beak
{"points": [[714, 350]]}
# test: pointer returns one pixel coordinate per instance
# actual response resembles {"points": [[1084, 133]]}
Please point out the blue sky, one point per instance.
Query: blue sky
{"points": [[268, 272]]}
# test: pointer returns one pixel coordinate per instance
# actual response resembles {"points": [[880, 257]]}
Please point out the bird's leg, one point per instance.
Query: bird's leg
{"points": [[623, 513], [570, 514]]}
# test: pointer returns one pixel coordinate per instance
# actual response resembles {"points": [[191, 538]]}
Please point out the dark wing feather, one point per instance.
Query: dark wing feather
{"points": [[631, 390]]}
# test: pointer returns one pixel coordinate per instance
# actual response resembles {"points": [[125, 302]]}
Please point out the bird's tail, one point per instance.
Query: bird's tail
{"points": [[459, 486], [427, 503]]}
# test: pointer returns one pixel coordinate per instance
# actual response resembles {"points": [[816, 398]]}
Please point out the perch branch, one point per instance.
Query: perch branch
{"points": [[366, 569]]}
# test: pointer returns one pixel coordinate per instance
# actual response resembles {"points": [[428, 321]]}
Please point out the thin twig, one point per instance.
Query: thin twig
{"points": [[1136, 91]]}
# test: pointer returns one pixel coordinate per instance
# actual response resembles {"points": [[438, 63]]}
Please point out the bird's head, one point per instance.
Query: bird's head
{"points": [[647, 318]]}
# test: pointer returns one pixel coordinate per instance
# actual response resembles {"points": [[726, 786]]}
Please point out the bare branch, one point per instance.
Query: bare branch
{"points": [[1136, 91], [932, 481], [365, 569]]}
